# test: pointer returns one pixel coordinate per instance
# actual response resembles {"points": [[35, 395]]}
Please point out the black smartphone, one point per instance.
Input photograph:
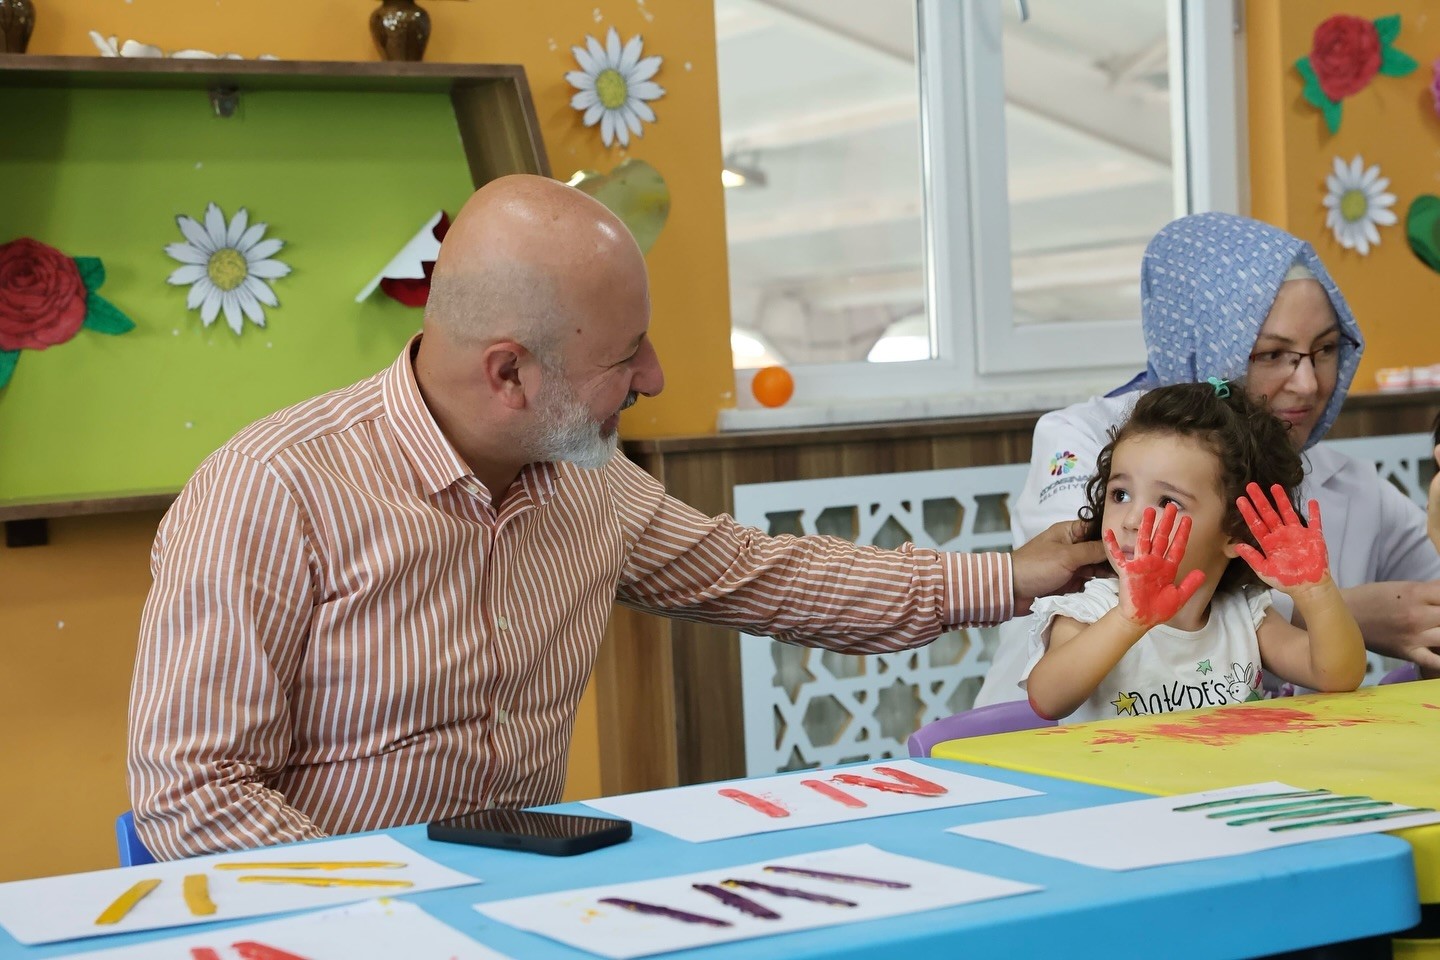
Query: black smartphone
{"points": [[556, 834]]}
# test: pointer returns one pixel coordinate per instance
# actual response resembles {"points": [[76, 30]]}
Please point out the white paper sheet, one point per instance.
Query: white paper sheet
{"points": [[700, 813], [65, 907], [374, 930], [409, 263], [578, 918], [1148, 833]]}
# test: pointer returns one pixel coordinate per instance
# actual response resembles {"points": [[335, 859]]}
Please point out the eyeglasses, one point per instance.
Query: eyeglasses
{"points": [[1277, 363]]}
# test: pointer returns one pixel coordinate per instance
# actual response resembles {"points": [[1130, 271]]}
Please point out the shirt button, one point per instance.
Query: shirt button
{"points": [[503, 622], [502, 716]]}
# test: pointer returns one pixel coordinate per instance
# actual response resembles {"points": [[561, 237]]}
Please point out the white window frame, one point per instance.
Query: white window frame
{"points": [[984, 362]]}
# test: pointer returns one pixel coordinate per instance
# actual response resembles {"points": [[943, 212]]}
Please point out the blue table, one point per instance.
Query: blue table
{"points": [[1247, 906]]}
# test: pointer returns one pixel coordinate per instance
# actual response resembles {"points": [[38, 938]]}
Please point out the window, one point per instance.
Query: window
{"points": [[940, 206]]}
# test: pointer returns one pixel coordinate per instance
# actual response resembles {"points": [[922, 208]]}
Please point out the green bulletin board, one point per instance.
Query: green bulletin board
{"points": [[345, 178]]}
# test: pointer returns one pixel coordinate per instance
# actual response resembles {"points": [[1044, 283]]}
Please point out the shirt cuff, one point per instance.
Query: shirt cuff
{"points": [[980, 589]]}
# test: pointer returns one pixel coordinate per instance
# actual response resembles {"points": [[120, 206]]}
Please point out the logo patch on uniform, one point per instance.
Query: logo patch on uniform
{"points": [[1062, 463]]}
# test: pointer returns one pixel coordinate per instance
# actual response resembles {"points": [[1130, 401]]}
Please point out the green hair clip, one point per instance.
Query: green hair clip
{"points": [[1222, 387]]}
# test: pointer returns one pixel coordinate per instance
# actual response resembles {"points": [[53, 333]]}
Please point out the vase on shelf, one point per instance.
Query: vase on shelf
{"points": [[400, 28], [17, 22]]}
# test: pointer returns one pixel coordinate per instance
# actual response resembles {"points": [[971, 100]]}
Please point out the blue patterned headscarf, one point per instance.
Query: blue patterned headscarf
{"points": [[1206, 285]]}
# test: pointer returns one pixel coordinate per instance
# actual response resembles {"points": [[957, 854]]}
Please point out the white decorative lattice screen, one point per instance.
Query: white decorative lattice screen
{"points": [[808, 708]]}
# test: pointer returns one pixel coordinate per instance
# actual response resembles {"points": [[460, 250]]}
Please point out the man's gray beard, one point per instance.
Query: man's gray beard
{"points": [[567, 434]]}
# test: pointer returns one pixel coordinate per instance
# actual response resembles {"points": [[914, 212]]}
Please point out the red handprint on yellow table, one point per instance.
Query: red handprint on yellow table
{"points": [[1148, 591], [1291, 554]]}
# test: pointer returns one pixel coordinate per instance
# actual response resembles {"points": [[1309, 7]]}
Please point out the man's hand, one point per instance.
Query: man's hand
{"points": [[1059, 560]]}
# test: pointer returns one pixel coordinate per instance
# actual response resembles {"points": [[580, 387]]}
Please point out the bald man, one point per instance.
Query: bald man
{"points": [[381, 606]]}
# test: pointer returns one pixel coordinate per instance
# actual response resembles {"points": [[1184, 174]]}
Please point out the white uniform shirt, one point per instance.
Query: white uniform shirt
{"points": [[1373, 531], [1168, 669]]}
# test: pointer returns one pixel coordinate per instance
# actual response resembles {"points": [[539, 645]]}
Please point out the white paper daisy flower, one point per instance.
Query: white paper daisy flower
{"points": [[1357, 202], [614, 83], [226, 267]]}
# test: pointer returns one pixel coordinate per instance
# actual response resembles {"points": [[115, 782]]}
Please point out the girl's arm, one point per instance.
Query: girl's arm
{"points": [[1077, 658], [1330, 653], [1079, 655]]}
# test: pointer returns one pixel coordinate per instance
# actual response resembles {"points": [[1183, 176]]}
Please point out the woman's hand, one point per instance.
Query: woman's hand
{"points": [[1292, 556], [1148, 592]]}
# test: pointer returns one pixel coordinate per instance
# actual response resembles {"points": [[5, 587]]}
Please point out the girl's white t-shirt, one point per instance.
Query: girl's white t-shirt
{"points": [[1168, 669]]}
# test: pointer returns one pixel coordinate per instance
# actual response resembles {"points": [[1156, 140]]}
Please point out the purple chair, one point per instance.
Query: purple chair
{"points": [[995, 718], [1401, 674]]}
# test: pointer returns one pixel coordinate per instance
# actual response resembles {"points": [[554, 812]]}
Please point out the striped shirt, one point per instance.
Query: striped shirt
{"points": [[345, 633]]}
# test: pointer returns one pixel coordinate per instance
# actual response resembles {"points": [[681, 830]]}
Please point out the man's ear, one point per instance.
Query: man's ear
{"points": [[508, 368]]}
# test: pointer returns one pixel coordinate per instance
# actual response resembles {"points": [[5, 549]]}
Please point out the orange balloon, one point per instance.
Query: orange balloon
{"points": [[772, 386]]}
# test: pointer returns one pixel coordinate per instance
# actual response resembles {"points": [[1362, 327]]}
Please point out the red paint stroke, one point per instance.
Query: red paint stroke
{"points": [[931, 788], [1219, 728], [203, 953], [758, 804], [251, 950], [855, 780], [834, 793]]}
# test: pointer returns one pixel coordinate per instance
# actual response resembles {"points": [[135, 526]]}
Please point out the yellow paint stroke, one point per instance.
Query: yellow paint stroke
{"points": [[327, 881], [126, 902], [315, 865], [197, 895]]}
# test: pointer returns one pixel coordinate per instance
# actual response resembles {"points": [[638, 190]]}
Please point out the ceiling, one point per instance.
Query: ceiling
{"points": [[820, 98]]}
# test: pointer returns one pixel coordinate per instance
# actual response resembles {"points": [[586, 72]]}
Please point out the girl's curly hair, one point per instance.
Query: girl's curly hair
{"points": [[1249, 444]]}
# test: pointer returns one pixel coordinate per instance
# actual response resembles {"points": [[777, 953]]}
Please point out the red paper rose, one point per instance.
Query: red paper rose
{"points": [[1345, 55], [42, 298]]}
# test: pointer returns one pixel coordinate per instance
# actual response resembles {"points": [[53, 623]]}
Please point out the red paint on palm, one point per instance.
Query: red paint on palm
{"points": [[1291, 553], [1148, 591]]}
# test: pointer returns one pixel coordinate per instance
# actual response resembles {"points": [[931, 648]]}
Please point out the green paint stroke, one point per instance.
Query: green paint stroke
{"points": [[1358, 818], [1264, 808], [1311, 812], [1249, 798]]}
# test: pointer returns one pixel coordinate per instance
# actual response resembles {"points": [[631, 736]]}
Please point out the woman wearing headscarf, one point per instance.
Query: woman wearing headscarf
{"points": [[1234, 299]]}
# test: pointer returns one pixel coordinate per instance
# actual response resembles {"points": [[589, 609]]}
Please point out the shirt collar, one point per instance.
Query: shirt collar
{"points": [[436, 462]]}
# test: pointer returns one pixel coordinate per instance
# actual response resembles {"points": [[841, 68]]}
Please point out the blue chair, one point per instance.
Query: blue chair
{"points": [[132, 851], [994, 718]]}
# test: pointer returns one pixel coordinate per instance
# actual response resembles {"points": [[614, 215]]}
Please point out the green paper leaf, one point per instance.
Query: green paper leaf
{"points": [[1315, 95], [92, 272], [8, 359], [1422, 230], [102, 316], [1388, 28], [1393, 63], [1331, 110]]}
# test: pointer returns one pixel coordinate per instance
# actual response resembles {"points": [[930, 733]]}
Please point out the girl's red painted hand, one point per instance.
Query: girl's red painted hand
{"points": [[1148, 592], [1291, 554]]}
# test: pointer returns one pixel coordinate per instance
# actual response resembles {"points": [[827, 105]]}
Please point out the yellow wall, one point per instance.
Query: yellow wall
{"points": [[1391, 123], [63, 689]]}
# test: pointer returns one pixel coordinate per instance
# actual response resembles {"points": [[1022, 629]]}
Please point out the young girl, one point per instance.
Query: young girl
{"points": [[1143, 643]]}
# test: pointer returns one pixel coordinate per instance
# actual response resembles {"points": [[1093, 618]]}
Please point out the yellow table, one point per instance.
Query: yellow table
{"points": [[1380, 741]]}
